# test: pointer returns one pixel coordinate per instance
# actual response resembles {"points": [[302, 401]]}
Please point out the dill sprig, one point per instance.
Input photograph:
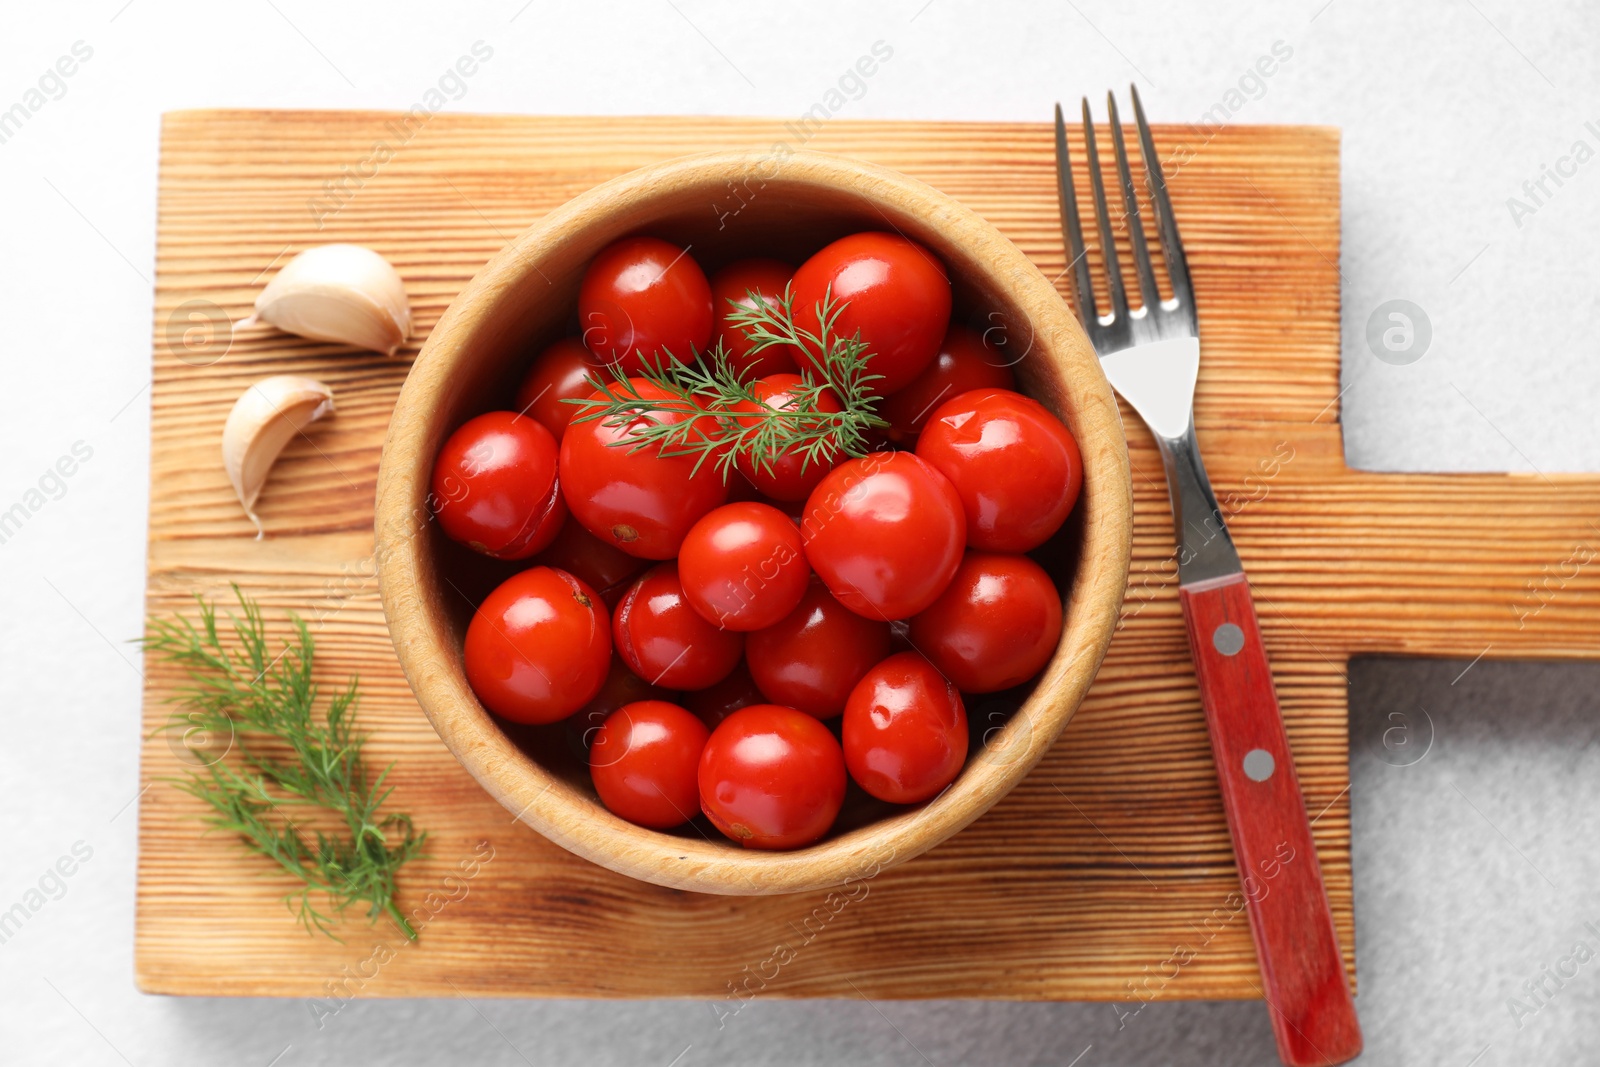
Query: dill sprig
{"points": [[284, 759], [703, 393]]}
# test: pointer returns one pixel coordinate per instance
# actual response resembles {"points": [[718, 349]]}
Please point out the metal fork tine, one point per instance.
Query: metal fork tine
{"points": [[1151, 296], [1073, 225], [1108, 241], [1171, 243]]}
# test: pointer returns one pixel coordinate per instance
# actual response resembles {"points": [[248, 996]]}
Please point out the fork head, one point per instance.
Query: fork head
{"points": [[1154, 319], [1150, 353]]}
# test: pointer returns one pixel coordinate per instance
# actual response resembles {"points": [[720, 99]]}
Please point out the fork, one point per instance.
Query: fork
{"points": [[1151, 355]]}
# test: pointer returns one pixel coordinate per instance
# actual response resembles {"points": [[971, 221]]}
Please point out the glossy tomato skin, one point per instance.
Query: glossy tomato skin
{"points": [[897, 295], [560, 373], [905, 731], [995, 625], [885, 532], [633, 498], [621, 687], [772, 777], [789, 475], [495, 486], [602, 566], [641, 299], [743, 566], [538, 647], [665, 641], [966, 361], [732, 285], [814, 656], [717, 702], [1016, 467], [645, 763]]}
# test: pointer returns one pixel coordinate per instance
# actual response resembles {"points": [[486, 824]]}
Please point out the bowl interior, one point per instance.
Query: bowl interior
{"points": [[722, 209]]}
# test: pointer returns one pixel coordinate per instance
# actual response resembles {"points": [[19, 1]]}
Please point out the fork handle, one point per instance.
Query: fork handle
{"points": [[1302, 970]]}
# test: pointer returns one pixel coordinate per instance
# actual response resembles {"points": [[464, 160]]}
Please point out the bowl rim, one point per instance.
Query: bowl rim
{"points": [[564, 814]]}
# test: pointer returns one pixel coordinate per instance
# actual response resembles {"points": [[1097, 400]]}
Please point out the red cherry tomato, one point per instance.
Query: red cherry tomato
{"points": [[717, 702], [645, 763], [966, 361], [885, 532], [621, 687], [995, 625], [788, 475], [1014, 464], [905, 731], [494, 486], [538, 647], [743, 566], [600, 565], [631, 497], [561, 372], [665, 641], [732, 285], [896, 294], [772, 777], [813, 657], [641, 299]]}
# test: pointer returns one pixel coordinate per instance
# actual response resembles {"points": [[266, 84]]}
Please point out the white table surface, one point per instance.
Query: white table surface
{"points": [[1474, 868]]}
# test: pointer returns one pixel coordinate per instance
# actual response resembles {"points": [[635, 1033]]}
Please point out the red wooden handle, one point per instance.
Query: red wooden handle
{"points": [[1313, 1015]]}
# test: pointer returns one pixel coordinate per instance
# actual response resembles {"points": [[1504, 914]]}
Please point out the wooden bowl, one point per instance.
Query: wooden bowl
{"points": [[724, 206]]}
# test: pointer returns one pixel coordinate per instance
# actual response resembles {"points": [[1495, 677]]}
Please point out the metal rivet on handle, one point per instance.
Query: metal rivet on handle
{"points": [[1227, 639], [1259, 765]]}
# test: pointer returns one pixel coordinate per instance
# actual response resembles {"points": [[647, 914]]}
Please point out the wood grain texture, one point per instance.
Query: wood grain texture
{"points": [[1084, 880]]}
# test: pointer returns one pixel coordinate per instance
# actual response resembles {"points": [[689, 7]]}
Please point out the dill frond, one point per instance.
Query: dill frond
{"points": [[712, 412], [284, 758]]}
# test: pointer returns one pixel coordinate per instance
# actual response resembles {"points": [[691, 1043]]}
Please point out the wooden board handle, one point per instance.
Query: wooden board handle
{"points": [[1313, 1015]]}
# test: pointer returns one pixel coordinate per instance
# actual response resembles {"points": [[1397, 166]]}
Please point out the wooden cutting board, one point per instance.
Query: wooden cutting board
{"points": [[1106, 866]]}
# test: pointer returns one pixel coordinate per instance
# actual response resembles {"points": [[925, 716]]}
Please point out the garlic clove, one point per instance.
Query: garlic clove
{"points": [[342, 293], [262, 421]]}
